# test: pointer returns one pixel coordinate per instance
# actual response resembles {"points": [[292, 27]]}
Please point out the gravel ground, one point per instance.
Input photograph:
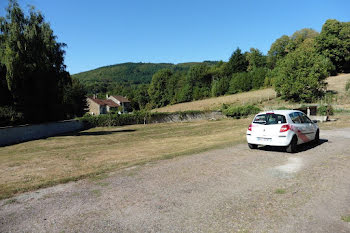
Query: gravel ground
{"points": [[227, 190]]}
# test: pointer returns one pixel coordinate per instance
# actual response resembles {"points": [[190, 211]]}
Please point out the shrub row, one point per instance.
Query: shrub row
{"points": [[347, 86], [239, 111], [137, 117]]}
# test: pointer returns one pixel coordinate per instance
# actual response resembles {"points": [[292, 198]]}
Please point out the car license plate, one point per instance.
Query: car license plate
{"points": [[264, 139]]}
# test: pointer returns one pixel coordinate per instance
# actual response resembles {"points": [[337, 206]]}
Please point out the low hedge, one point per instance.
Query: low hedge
{"points": [[239, 111], [137, 117]]}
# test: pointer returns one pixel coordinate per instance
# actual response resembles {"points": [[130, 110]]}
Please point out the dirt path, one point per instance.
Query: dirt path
{"points": [[228, 190]]}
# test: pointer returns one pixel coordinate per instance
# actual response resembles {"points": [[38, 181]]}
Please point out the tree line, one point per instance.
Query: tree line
{"points": [[296, 66], [34, 83]]}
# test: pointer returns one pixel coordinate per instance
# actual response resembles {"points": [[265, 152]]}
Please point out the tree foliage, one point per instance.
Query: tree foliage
{"points": [[278, 50], [300, 75], [33, 76], [237, 63], [334, 43], [299, 37], [255, 59], [158, 88]]}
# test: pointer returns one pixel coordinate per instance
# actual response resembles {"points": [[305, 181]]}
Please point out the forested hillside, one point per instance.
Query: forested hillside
{"points": [[105, 78]]}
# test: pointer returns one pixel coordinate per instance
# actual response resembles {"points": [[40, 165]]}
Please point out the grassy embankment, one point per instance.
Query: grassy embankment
{"points": [[265, 98], [91, 153]]}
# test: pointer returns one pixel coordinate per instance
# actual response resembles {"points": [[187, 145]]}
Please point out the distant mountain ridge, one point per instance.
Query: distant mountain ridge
{"points": [[133, 73]]}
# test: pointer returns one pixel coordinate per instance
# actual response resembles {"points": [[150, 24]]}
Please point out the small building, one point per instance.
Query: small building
{"points": [[111, 103], [99, 106], [310, 110], [121, 101]]}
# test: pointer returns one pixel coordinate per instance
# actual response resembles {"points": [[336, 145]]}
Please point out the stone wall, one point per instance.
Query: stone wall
{"points": [[180, 117], [12, 135], [93, 107]]}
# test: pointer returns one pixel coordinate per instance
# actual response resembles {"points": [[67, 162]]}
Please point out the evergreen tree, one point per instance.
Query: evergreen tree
{"points": [[237, 63]]}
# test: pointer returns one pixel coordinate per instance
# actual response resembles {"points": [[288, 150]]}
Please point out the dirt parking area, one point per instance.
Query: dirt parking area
{"points": [[225, 190]]}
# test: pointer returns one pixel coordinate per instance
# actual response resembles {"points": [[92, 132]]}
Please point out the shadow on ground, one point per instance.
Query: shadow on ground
{"points": [[300, 148]]}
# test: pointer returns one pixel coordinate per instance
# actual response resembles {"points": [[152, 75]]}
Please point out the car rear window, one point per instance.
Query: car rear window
{"points": [[270, 119]]}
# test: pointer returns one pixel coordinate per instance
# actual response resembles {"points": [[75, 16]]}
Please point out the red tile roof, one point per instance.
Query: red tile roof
{"points": [[121, 99], [109, 103]]}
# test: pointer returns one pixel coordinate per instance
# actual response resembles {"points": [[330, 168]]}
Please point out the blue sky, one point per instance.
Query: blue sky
{"points": [[106, 32]]}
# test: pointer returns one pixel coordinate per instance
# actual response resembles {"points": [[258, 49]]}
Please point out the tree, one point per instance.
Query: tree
{"points": [[237, 63], [220, 86], [34, 65], [240, 82], [255, 59], [300, 75], [199, 80], [299, 37], [258, 76], [278, 50], [334, 43], [74, 99], [5, 94], [158, 88], [142, 97], [285, 44]]}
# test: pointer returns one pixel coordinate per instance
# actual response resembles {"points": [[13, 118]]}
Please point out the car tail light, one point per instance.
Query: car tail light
{"points": [[250, 127], [284, 128]]}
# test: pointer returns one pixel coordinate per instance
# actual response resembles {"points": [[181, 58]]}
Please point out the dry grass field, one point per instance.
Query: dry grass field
{"points": [[40, 163], [215, 103], [92, 153], [337, 83]]}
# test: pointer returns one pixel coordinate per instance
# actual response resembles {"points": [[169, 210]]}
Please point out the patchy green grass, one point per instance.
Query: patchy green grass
{"points": [[96, 192], [280, 191], [103, 184], [10, 201], [346, 218]]}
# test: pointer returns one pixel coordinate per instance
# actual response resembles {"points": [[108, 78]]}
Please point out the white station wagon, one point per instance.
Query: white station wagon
{"points": [[287, 128]]}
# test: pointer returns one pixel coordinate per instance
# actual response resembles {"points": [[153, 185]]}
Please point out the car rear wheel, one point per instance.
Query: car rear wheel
{"points": [[252, 146], [292, 148]]}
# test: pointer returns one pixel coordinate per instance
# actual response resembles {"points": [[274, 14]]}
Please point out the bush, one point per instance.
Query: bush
{"points": [[283, 108], [239, 111], [115, 119], [137, 117], [347, 86], [325, 110], [9, 116]]}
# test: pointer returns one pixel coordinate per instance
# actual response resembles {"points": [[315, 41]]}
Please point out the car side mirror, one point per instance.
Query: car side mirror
{"points": [[314, 121]]}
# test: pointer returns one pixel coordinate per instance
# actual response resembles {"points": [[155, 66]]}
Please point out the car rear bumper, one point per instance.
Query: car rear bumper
{"points": [[269, 141]]}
